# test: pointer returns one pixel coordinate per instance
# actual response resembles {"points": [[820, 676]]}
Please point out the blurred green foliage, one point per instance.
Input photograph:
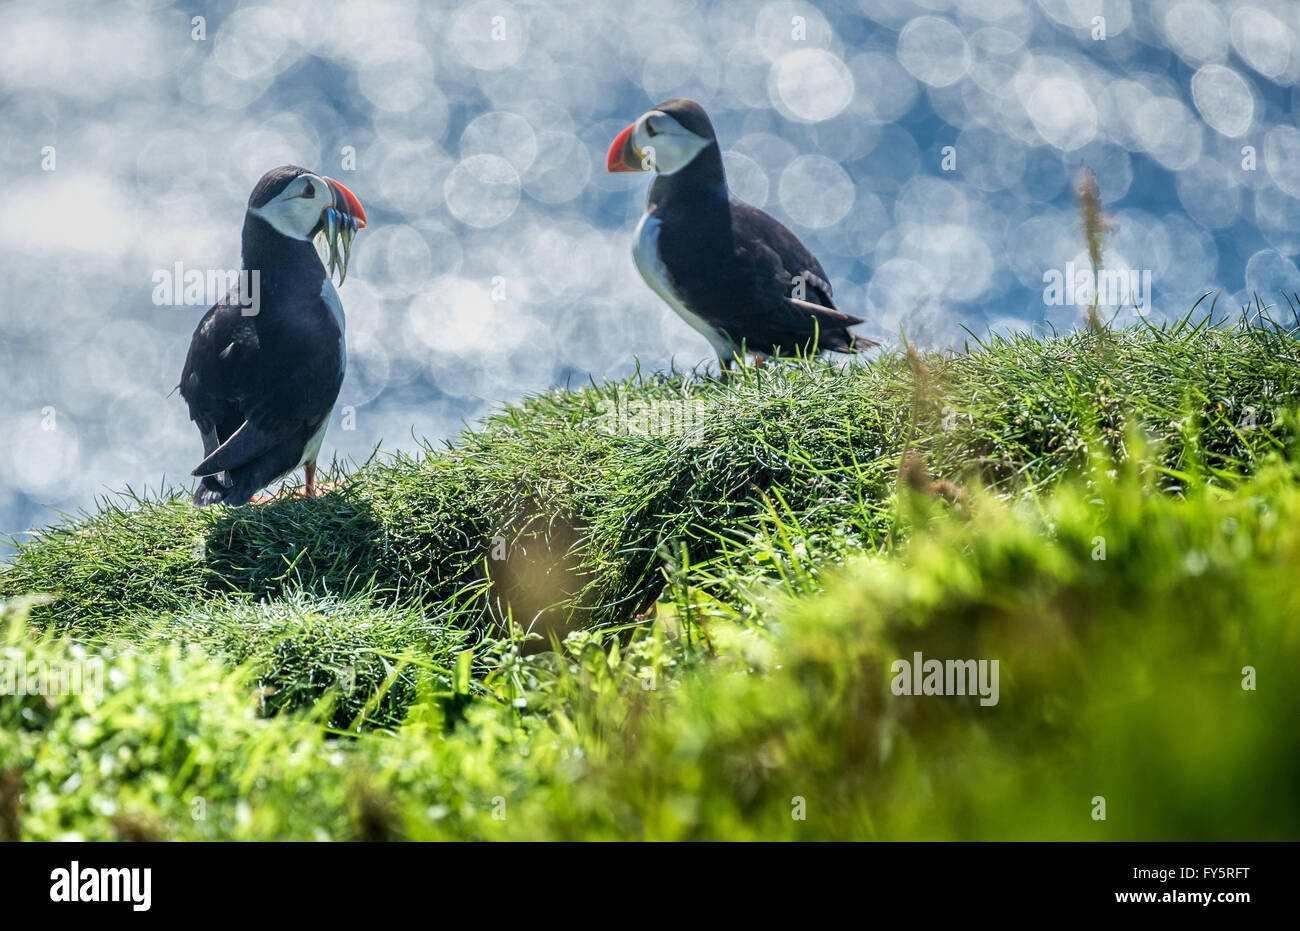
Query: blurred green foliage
{"points": [[1111, 532]]}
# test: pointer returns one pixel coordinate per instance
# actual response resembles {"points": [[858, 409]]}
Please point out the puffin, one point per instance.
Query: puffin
{"points": [[734, 273], [266, 362]]}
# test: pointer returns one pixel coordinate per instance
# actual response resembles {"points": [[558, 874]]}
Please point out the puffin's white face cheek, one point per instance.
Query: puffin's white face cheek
{"points": [[296, 210], [665, 144]]}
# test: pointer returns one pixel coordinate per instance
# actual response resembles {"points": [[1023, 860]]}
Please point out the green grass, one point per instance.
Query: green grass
{"points": [[728, 579]]}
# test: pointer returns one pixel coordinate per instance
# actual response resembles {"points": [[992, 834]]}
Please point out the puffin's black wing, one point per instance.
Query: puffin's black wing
{"points": [[259, 434], [776, 254], [775, 263], [258, 390], [224, 347]]}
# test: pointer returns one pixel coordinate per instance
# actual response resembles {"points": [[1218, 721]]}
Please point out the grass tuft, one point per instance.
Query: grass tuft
{"points": [[727, 572]]}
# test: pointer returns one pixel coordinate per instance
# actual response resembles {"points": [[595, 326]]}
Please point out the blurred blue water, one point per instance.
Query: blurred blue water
{"points": [[497, 261]]}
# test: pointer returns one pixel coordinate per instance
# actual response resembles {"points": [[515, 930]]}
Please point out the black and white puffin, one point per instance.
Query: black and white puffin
{"points": [[731, 271], [266, 362]]}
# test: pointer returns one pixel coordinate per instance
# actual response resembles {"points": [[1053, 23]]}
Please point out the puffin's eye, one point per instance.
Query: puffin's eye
{"points": [[309, 191], [650, 129]]}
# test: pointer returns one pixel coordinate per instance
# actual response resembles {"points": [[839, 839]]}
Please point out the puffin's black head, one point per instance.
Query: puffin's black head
{"points": [[665, 139], [300, 204]]}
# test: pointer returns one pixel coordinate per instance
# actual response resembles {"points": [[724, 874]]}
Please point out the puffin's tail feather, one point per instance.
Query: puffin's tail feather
{"points": [[861, 343], [211, 491]]}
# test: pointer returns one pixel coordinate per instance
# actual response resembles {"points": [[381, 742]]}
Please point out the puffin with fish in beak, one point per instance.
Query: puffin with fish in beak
{"points": [[266, 361], [731, 271]]}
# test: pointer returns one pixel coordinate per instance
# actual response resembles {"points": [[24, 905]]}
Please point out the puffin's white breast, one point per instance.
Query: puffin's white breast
{"points": [[312, 449], [645, 252], [330, 296]]}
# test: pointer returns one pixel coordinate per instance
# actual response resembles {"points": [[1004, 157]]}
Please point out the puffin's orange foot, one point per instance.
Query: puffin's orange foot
{"points": [[316, 489], [261, 499]]}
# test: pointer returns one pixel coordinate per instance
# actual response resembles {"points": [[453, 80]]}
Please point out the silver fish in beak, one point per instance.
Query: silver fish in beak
{"points": [[339, 224]]}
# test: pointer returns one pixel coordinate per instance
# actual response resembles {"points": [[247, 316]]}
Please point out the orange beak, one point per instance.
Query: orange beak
{"points": [[622, 155], [346, 202]]}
